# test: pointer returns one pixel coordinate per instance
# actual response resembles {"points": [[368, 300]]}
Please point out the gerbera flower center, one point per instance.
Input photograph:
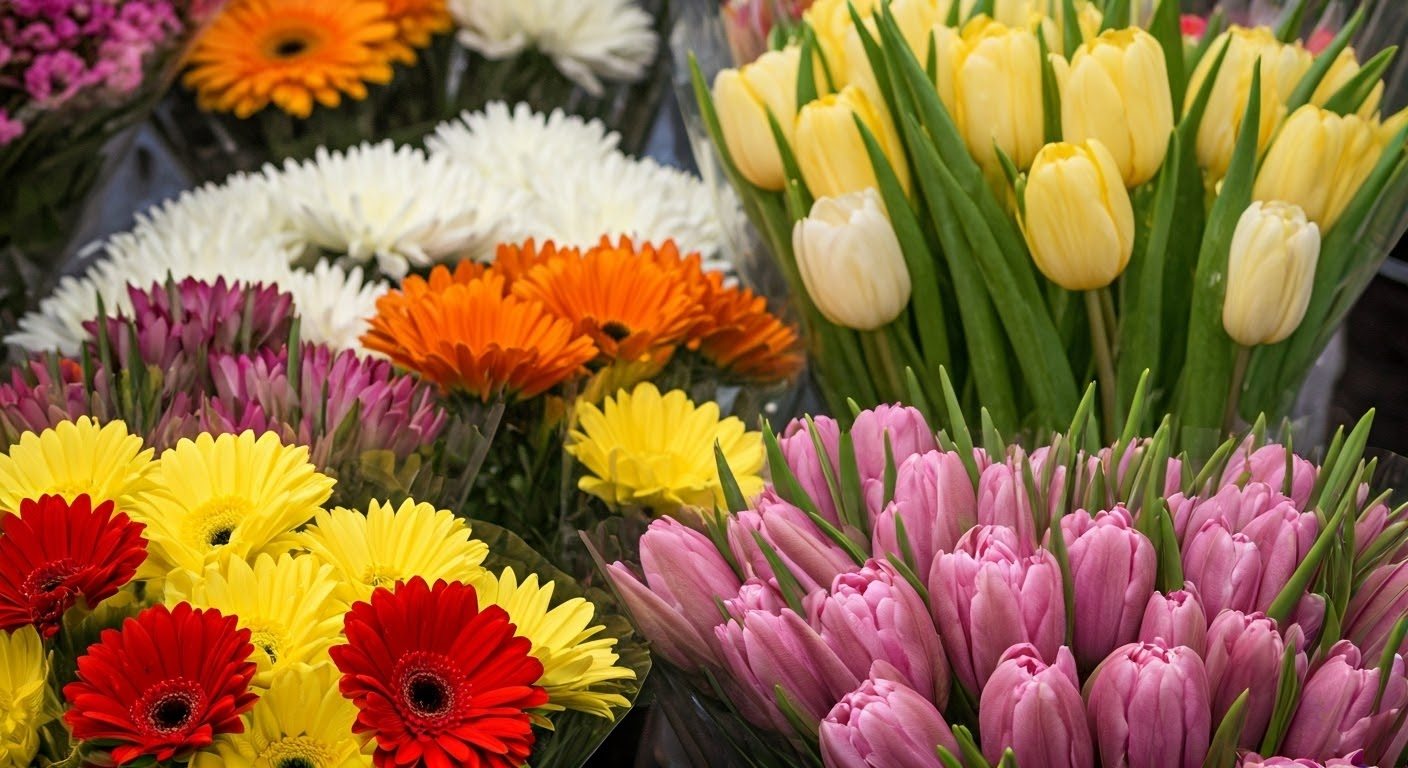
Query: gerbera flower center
{"points": [[426, 682], [379, 576], [270, 640], [616, 329], [49, 577], [290, 42], [213, 523], [298, 752], [169, 707]]}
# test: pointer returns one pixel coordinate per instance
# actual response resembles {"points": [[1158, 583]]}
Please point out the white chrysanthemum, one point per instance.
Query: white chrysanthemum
{"points": [[334, 304], [587, 40], [399, 206], [517, 148]]}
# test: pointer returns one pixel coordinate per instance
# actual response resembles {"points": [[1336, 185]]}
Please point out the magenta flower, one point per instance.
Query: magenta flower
{"points": [[799, 450], [1244, 653], [808, 554], [1036, 710], [1337, 713], [1253, 760], [1225, 567], [1175, 619], [1003, 500], [1113, 568], [934, 501], [765, 651], [755, 595], [1238, 506], [909, 435], [1268, 465], [1283, 537], [1148, 707], [10, 128], [1376, 607], [884, 723]]}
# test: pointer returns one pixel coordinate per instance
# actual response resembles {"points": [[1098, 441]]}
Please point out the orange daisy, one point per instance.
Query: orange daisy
{"points": [[416, 21], [513, 261], [744, 339], [291, 53], [627, 302], [470, 336]]}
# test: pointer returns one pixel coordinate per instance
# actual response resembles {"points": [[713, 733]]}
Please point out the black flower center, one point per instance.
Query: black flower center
{"points": [[169, 707], [273, 658], [49, 577], [287, 49], [616, 330], [171, 713], [296, 762], [221, 537], [427, 694]]}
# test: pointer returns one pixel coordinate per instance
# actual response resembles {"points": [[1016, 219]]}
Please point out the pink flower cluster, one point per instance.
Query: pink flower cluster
{"points": [[52, 51], [1077, 643]]}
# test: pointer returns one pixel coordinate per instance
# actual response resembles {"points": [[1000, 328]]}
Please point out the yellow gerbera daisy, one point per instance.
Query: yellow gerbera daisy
{"points": [[24, 670], [579, 673], [388, 545], [291, 52], [232, 496], [74, 458], [302, 720], [658, 451], [288, 605]]}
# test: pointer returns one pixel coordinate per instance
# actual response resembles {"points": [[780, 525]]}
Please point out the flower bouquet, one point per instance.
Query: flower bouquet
{"points": [[1033, 200], [206, 607], [272, 80], [895, 597]]}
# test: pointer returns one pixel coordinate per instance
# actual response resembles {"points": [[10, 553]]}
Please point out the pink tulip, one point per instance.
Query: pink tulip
{"points": [[755, 595], [765, 651], [1036, 710], [1268, 465], [1375, 607], [799, 451], [1238, 506], [1114, 477], [987, 598], [806, 552], [1369, 528], [934, 500], [1283, 537], [875, 614], [1256, 761], [1113, 568], [1003, 501], [1148, 708], [884, 723], [909, 436], [1337, 715], [1244, 654], [675, 607], [1175, 619], [1225, 567]]}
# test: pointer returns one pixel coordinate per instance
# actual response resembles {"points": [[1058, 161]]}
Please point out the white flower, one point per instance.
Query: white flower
{"points": [[333, 304], [517, 148], [587, 40], [395, 205]]}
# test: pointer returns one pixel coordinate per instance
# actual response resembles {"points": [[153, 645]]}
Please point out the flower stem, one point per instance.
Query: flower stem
{"points": [[889, 380], [1104, 363], [1234, 396]]}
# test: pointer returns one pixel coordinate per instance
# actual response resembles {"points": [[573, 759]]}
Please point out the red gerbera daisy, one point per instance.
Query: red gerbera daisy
{"points": [[164, 685], [54, 553], [440, 682]]}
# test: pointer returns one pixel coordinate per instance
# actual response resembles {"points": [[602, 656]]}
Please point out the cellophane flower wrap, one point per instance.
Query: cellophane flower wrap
{"points": [[1052, 192], [897, 597]]}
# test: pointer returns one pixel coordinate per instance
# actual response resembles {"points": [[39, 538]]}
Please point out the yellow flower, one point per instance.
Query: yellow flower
{"points": [[1282, 67], [579, 673], [1077, 217], [1344, 69], [232, 496], [1318, 161], [302, 720], [915, 18], [387, 545], [1116, 90], [997, 92], [1270, 273], [24, 671], [830, 150], [831, 20], [74, 458], [744, 97], [658, 451], [288, 605]]}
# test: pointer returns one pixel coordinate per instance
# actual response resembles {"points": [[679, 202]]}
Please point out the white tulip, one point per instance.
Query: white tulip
{"points": [[851, 262]]}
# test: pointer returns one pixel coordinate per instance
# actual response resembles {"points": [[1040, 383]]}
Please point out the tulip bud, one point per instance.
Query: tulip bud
{"points": [[799, 450], [1344, 69], [1237, 507], [1003, 502], [1376, 607], [1318, 162], [986, 598], [1283, 538], [1035, 709], [1053, 28], [1282, 67], [765, 651], [851, 262], [1270, 273], [1225, 566], [804, 550], [830, 150], [755, 595], [1267, 464], [934, 501], [1254, 760], [743, 98], [915, 19], [883, 722], [1148, 706], [1077, 217], [1336, 714], [997, 93], [831, 21], [1175, 619], [1244, 653], [1112, 572], [909, 435], [1116, 91]]}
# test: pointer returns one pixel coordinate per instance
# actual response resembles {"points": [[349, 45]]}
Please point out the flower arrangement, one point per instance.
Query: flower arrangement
{"points": [[896, 597], [204, 606], [1024, 172], [275, 80]]}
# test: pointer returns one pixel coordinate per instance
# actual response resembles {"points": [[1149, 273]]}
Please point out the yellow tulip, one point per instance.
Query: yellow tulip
{"points": [[744, 98], [1392, 125], [851, 262], [997, 92], [1116, 90], [1318, 162], [830, 150], [831, 21], [1088, 18], [1270, 273], [1076, 216], [1282, 67], [1344, 69]]}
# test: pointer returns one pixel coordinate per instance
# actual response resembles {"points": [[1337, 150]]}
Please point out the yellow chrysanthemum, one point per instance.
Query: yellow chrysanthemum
{"points": [[388, 545], [23, 673], [302, 720], [291, 53], [579, 673], [288, 605], [658, 451], [232, 496], [74, 458]]}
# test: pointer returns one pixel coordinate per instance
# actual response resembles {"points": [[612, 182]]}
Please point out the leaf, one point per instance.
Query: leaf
{"points": [[1166, 27], [1293, 15], [962, 437], [1070, 27], [1170, 560], [1050, 95], [1287, 697], [1223, 752], [733, 495], [1351, 96], [1324, 62], [1289, 597]]}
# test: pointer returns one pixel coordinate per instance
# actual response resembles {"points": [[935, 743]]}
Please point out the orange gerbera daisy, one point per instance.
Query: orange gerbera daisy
{"points": [[743, 338], [627, 302], [470, 336], [416, 21], [513, 261], [291, 53]]}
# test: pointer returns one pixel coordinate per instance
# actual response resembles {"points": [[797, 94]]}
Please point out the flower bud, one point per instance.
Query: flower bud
{"points": [[851, 262], [1148, 706], [1003, 502], [1283, 538], [1112, 573], [767, 650], [1175, 619], [997, 93], [1077, 217], [908, 432], [831, 21], [1337, 713], [803, 549], [1318, 162], [1344, 69], [884, 722], [743, 99], [830, 150], [1035, 709], [1116, 90], [1267, 464], [799, 451], [1270, 273], [935, 502], [1376, 607], [1244, 653], [1225, 566]]}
